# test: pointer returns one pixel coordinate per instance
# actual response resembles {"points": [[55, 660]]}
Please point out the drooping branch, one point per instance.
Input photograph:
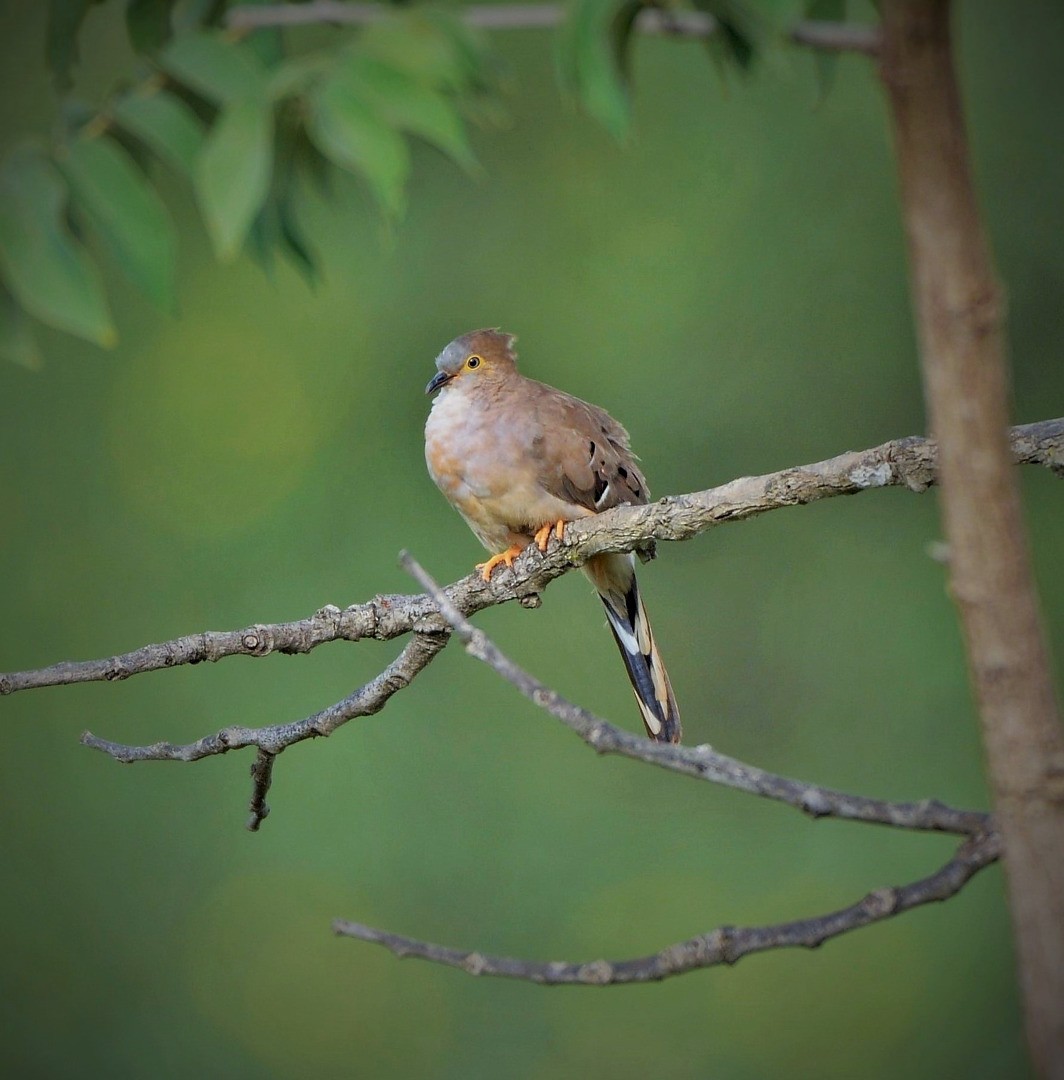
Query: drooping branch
{"points": [[830, 36], [960, 317], [909, 462], [701, 762], [725, 945]]}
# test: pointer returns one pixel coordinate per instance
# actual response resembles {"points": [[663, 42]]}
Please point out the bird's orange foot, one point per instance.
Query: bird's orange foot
{"points": [[542, 538], [506, 557]]}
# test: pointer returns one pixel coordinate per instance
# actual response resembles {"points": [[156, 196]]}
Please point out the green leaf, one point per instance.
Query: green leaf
{"points": [[347, 131], [127, 212], [295, 75], [165, 124], [277, 227], [17, 343], [262, 238], [592, 47], [268, 46], [736, 41], [148, 24], [61, 37], [825, 63], [219, 69], [233, 174], [294, 240], [432, 46], [406, 103], [51, 274]]}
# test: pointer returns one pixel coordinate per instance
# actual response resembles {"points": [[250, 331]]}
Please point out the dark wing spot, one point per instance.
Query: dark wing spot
{"points": [[592, 449], [601, 486], [623, 472]]}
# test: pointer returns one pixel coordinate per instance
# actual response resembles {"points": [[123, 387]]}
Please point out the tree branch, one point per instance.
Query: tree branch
{"points": [[907, 462], [910, 462], [725, 945], [365, 701], [261, 778], [701, 762], [830, 36]]}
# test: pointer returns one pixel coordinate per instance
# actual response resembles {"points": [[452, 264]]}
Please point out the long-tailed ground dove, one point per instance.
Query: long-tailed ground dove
{"points": [[518, 460]]}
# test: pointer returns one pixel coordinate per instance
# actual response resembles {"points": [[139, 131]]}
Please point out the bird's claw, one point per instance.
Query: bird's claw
{"points": [[542, 537], [507, 557]]}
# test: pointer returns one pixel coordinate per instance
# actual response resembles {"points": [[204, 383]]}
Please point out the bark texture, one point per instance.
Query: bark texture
{"points": [[960, 310]]}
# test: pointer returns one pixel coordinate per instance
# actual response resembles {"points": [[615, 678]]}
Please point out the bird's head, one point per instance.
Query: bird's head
{"points": [[478, 355]]}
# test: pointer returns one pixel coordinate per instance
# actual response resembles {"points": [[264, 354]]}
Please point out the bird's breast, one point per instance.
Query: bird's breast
{"points": [[468, 450]]}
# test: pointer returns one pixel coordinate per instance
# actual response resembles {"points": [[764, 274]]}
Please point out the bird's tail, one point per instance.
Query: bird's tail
{"points": [[614, 578]]}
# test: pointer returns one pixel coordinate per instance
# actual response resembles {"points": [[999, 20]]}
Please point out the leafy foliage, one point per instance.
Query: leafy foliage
{"points": [[239, 120], [246, 123], [46, 268], [126, 211], [164, 124], [593, 62], [233, 175]]}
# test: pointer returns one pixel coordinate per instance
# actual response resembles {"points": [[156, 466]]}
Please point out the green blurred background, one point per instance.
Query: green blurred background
{"points": [[732, 286]]}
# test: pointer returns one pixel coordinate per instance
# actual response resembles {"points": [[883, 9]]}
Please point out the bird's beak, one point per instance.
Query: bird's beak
{"points": [[437, 381]]}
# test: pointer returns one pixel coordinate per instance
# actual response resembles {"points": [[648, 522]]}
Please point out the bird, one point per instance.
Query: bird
{"points": [[520, 460]]}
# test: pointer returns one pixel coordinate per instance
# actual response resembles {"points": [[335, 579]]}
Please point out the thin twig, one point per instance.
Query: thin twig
{"points": [[261, 778], [702, 762], [365, 701], [833, 36], [909, 462], [725, 945]]}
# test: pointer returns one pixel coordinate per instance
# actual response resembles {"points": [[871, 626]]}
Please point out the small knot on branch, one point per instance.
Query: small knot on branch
{"points": [[868, 476], [474, 963], [117, 671], [257, 640], [720, 943], [596, 972], [815, 803], [881, 902]]}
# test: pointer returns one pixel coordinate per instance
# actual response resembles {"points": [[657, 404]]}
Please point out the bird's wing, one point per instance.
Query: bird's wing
{"points": [[581, 453]]}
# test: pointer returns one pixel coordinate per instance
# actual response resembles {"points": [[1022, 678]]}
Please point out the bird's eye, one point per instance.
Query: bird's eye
{"points": [[473, 362]]}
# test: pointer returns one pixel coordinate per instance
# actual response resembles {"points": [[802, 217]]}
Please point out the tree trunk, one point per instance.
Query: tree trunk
{"points": [[959, 313]]}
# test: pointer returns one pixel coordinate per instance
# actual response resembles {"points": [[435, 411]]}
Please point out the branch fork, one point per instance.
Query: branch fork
{"points": [[432, 617]]}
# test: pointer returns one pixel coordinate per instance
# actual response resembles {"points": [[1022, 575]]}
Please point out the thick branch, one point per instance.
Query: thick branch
{"points": [[909, 462], [725, 945], [836, 37], [701, 762], [960, 321]]}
